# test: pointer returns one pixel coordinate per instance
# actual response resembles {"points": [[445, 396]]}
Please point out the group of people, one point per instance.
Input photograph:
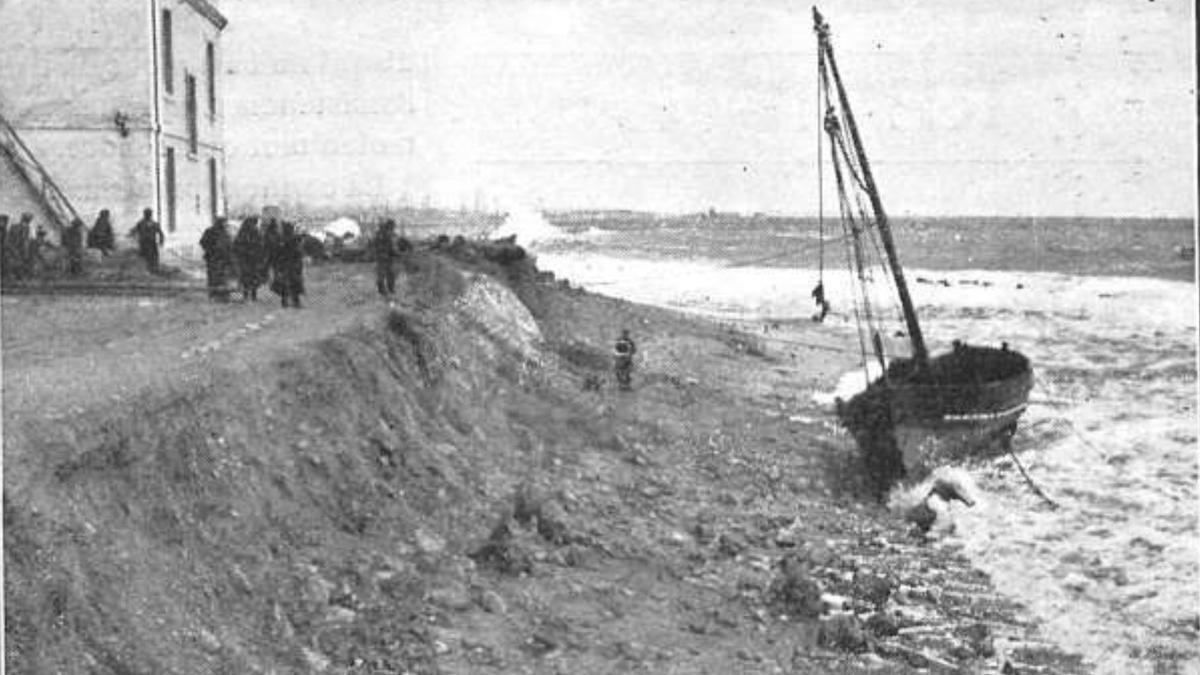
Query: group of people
{"points": [[272, 254], [22, 247]]}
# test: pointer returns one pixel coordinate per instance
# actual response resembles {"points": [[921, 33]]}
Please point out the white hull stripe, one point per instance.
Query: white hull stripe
{"points": [[972, 417]]}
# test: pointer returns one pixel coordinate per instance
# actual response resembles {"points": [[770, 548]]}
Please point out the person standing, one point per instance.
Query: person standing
{"points": [[249, 258], [16, 247], [149, 237], [72, 240], [271, 243], [218, 251], [386, 253], [37, 259], [623, 353], [101, 236], [289, 266]]}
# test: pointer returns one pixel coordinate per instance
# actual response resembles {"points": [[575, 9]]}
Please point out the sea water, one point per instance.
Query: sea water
{"points": [[1112, 569]]}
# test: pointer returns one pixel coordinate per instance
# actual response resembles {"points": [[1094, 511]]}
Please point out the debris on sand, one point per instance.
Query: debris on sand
{"points": [[504, 551], [794, 591]]}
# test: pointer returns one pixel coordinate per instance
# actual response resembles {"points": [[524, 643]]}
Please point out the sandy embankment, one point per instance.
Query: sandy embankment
{"points": [[199, 488]]}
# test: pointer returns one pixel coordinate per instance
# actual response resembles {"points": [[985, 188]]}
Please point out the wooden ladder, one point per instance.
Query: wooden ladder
{"points": [[36, 175]]}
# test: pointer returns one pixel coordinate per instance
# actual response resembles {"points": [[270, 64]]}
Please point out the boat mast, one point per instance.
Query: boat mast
{"points": [[920, 352]]}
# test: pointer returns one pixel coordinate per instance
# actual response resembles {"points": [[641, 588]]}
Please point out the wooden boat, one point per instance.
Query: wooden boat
{"points": [[922, 411]]}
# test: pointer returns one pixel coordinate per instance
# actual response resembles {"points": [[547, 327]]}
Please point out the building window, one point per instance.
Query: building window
{"points": [[168, 52], [193, 130], [213, 193], [169, 178], [210, 59]]}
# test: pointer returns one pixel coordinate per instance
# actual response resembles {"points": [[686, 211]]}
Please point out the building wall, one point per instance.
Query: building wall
{"points": [[66, 69], [16, 197], [193, 186]]}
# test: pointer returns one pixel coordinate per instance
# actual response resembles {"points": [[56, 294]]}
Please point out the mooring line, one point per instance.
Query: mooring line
{"points": [[1032, 485]]}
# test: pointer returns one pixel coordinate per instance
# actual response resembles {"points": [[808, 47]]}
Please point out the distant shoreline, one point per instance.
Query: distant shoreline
{"points": [[1092, 247]]}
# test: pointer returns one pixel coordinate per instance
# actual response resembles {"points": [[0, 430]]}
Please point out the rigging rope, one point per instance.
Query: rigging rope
{"points": [[820, 173], [853, 250], [818, 293], [861, 258]]}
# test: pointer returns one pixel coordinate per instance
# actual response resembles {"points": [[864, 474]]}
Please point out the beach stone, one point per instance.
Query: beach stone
{"points": [[504, 552], [872, 589], [842, 632], [469, 643], [789, 537], [493, 603], [208, 641], [573, 556], [240, 581], [794, 591], [540, 643], [527, 503], [882, 624], [454, 598], [552, 522], [338, 614], [677, 538], [1076, 582], [317, 662], [725, 617], [428, 542], [818, 554], [316, 591], [704, 533], [979, 638], [731, 543]]}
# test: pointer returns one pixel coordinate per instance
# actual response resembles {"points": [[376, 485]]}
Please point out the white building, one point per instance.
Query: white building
{"points": [[117, 103]]}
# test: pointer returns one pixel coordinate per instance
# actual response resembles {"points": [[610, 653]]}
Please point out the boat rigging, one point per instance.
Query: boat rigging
{"points": [[922, 410]]}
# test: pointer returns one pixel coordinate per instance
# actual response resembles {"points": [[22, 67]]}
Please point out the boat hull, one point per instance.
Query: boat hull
{"points": [[964, 406]]}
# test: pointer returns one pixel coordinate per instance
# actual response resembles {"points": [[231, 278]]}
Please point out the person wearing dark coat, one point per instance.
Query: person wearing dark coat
{"points": [[101, 236], [16, 248], [149, 237], [270, 247], [386, 252], [623, 353], [249, 256], [36, 257], [289, 266], [218, 257], [72, 241]]}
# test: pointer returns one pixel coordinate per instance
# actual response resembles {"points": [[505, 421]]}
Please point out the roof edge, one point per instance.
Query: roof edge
{"points": [[209, 11]]}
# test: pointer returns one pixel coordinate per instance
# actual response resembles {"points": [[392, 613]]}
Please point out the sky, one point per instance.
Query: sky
{"points": [[966, 107]]}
